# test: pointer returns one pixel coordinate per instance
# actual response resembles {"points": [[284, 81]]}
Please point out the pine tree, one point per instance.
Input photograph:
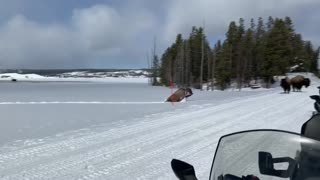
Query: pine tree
{"points": [[197, 41], [278, 51], [165, 69], [222, 71], [270, 23], [187, 54], [314, 62], [232, 40], [240, 59], [195, 47], [216, 50], [309, 57], [298, 57], [252, 25], [247, 67], [178, 61], [259, 49], [155, 70]]}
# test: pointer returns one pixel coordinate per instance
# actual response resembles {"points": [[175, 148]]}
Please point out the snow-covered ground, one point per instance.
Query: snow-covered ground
{"points": [[129, 133]]}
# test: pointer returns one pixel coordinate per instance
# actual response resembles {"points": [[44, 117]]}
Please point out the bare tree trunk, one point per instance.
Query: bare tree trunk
{"points": [[238, 75], [149, 68], [231, 62], [209, 59], [179, 66], [154, 68], [176, 77], [202, 62], [182, 74], [213, 71], [188, 64], [244, 70]]}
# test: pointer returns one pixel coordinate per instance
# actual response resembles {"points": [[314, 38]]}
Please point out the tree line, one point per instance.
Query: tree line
{"points": [[259, 52]]}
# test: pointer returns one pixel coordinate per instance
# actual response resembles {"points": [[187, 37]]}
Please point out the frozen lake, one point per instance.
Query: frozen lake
{"points": [[120, 103]]}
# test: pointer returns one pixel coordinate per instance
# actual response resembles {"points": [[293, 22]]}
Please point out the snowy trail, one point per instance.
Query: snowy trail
{"points": [[143, 150]]}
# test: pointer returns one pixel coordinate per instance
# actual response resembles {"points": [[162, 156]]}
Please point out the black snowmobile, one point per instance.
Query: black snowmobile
{"points": [[263, 155]]}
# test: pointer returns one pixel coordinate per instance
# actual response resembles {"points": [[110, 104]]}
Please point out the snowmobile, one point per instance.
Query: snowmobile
{"points": [[317, 102], [263, 155]]}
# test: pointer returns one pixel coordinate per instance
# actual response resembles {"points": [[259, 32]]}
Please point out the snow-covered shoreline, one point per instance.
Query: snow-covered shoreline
{"points": [[7, 77]]}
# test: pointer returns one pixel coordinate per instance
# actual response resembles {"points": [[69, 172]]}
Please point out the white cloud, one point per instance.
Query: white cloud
{"points": [[96, 32], [120, 36], [101, 27], [24, 43], [217, 14]]}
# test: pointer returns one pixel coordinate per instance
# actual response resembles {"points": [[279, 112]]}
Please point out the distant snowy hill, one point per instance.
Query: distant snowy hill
{"points": [[11, 76], [121, 73], [133, 76]]}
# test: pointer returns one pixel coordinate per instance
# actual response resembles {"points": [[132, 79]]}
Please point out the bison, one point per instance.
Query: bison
{"points": [[285, 84], [179, 95], [299, 81]]}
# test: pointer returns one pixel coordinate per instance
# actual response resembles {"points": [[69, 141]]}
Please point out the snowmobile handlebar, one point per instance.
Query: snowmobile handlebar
{"points": [[315, 97], [233, 177]]}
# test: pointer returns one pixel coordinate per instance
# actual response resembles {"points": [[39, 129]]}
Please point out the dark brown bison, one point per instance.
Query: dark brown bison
{"points": [[179, 95], [299, 81], [285, 84]]}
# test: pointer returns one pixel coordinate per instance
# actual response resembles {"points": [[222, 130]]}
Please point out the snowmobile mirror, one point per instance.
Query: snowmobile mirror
{"points": [[183, 170], [266, 165], [310, 128], [315, 97]]}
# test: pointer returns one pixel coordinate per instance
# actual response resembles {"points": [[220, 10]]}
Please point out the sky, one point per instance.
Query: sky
{"points": [[45, 34]]}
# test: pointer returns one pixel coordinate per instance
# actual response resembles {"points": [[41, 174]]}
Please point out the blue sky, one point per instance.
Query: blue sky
{"points": [[118, 34]]}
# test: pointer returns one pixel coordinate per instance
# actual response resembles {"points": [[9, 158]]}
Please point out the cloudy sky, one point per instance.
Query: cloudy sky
{"points": [[119, 33]]}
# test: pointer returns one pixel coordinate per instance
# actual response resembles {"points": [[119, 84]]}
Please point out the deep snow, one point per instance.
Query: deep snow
{"points": [[142, 146]]}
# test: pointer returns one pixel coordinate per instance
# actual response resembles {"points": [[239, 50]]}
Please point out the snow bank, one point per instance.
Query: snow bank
{"points": [[10, 76]]}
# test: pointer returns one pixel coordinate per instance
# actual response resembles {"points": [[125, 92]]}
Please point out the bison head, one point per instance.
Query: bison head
{"points": [[306, 82], [285, 82], [188, 92]]}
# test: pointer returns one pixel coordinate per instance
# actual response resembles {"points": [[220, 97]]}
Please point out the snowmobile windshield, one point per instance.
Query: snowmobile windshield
{"points": [[266, 155]]}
